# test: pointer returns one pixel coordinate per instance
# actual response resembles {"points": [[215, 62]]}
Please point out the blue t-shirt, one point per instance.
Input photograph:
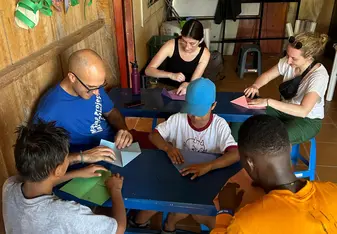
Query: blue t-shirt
{"points": [[82, 118]]}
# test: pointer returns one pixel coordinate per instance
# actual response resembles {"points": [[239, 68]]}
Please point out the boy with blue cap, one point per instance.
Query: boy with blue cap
{"points": [[196, 128]]}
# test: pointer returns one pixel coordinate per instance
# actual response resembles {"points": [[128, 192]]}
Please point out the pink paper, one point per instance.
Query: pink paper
{"points": [[251, 193], [243, 101], [172, 95]]}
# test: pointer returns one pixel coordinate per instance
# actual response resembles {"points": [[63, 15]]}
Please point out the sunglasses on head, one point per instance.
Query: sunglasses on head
{"points": [[296, 44]]}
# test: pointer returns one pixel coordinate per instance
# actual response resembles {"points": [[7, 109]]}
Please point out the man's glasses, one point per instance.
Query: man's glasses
{"points": [[296, 44], [89, 90]]}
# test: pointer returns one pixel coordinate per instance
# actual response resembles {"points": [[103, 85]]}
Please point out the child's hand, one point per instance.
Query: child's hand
{"points": [[90, 171], [114, 183], [175, 155], [196, 169]]}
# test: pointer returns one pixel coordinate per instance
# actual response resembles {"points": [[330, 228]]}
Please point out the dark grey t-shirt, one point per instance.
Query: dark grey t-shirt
{"points": [[49, 214]]}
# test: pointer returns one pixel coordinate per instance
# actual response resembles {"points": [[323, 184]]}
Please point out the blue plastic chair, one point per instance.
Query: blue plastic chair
{"points": [[295, 156]]}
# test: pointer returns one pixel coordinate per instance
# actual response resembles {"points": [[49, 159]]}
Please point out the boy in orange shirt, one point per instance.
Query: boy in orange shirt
{"points": [[290, 205]]}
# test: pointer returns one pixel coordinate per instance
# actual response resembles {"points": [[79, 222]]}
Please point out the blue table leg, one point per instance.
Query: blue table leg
{"points": [[154, 123], [165, 214], [204, 228]]}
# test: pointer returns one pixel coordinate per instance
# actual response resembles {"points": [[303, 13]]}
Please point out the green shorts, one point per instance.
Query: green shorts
{"points": [[299, 129]]}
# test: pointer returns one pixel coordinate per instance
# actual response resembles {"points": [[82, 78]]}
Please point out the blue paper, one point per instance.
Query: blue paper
{"points": [[124, 156], [191, 157]]}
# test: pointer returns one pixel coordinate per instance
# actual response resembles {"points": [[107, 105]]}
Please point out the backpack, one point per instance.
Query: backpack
{"points": [[215, 67]]}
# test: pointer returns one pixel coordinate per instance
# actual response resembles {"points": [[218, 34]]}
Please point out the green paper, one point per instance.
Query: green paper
{"points": [[74, 2], [89, 189], [98, 195]]}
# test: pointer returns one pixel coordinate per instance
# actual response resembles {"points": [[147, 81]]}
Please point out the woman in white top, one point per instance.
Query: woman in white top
{"points": [[301, 107]]}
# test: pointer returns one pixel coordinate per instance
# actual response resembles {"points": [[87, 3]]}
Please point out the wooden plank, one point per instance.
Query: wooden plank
{"points": [[120, 38], [94, 41], [33, 85], [10, 115], [73, 20], [24, 66], [18, 102], [129, 36], [108, 37], [5, 58], [103, 41]]}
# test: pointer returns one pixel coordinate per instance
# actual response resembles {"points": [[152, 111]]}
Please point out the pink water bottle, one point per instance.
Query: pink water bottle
{"points": [[135, 79]]}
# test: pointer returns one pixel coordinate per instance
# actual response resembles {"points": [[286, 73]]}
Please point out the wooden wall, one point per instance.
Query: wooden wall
{"points": [[18, 99], [152, 19], [324, 18]]}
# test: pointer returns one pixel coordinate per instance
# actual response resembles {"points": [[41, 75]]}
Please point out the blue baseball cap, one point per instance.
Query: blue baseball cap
{"points": [[200, 96]]}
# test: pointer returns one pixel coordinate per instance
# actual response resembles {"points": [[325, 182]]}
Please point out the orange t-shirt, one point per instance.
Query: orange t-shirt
{"points": [[313, 209]]}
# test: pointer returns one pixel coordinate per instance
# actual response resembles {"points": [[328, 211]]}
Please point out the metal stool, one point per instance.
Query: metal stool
{"points": [[241, 66], [295, 156]]}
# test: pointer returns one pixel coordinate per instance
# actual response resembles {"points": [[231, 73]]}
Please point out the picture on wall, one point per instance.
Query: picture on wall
{"points": [[151, 2]]}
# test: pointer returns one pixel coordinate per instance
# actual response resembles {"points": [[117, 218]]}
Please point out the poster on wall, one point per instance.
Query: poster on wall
{"points": [[151, 2]]}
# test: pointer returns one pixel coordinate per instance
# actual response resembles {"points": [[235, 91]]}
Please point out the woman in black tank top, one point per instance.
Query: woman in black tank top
{"points": [[186, 58]]}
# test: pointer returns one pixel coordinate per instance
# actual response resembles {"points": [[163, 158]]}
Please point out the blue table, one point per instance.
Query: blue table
{"points": [[159, 106], [151, 182]]}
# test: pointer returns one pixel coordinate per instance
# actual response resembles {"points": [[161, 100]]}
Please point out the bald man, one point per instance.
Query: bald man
{"points": [[80, 105]]}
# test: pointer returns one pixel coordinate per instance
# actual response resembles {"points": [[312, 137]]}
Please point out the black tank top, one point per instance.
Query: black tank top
{"points": [[176, 64]]}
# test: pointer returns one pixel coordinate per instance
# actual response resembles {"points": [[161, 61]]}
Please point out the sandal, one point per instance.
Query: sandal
{"points": [[132, 223], [167, 232]]}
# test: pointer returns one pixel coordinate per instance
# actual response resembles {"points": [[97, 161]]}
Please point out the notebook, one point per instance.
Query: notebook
{"points": [[172, 94]]}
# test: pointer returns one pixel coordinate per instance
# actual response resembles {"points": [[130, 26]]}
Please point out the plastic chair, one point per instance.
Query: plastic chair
{"points": [[295, 156], [257, 63]]}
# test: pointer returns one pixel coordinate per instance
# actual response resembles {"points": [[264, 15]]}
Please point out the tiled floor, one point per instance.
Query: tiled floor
{"points": [[326, 139]]}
